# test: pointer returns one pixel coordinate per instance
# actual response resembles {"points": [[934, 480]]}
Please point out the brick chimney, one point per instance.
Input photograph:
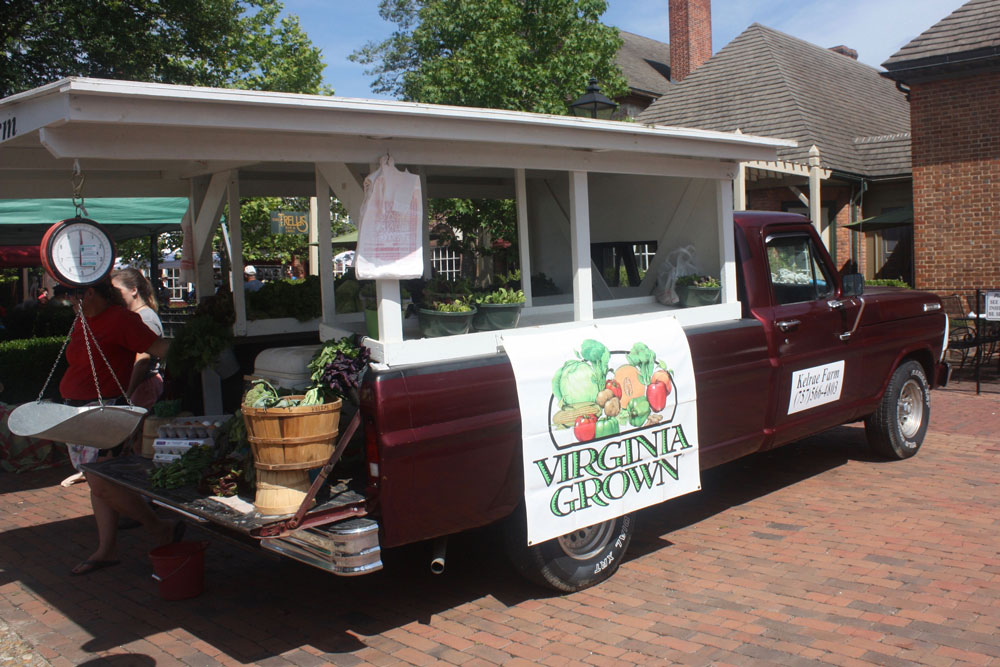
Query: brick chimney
{"points": [[690, 36], [845, 51]]}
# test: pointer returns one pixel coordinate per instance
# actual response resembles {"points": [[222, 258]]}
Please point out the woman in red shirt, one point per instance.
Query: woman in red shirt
{"points": [[120, 334]]}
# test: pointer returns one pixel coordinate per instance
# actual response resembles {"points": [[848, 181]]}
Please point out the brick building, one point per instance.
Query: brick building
{"points": [[851, 170], [951, 75]]}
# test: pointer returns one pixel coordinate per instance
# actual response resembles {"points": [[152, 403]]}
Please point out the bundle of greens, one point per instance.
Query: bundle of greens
{"points": [[337, 369], [186, 470]]}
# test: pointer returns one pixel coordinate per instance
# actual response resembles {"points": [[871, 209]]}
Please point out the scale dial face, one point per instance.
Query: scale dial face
{"points": [[78, 252]]}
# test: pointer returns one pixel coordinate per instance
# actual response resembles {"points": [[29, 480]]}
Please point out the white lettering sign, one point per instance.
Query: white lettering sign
{"points": [[993, 306], [609, 421], [816, 386]]}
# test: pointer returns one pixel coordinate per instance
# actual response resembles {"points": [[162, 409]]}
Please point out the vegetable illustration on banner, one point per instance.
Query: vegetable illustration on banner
{"points": [[390, 237], [609, 421]]}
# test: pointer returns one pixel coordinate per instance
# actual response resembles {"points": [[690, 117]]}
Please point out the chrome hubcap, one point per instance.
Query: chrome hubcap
{"points": [[587, 542], [910, 409]]}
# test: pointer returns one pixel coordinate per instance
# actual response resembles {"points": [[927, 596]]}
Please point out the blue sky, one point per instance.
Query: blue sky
{"points": [[875, 28]]}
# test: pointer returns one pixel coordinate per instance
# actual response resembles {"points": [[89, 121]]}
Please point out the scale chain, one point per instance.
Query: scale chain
{"points": [[58, 356]]}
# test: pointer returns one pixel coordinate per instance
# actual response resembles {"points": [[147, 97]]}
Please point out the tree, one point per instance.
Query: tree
{"points": [[226, 43], [526, 55], [255, 227]]}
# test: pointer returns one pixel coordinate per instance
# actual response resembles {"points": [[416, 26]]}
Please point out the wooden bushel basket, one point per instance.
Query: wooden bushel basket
{"points": [[286, 444]]}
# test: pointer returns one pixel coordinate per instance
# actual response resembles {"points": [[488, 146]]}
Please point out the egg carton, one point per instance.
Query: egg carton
{"points": [[178, 446], [161, 459], [192, 427]]}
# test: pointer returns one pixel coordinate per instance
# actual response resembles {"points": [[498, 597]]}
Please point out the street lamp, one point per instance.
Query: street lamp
{"points": [[593, 103]]}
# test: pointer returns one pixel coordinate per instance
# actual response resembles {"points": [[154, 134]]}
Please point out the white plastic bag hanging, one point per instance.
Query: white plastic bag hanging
{"points": [[390, 238], [677, 263]]}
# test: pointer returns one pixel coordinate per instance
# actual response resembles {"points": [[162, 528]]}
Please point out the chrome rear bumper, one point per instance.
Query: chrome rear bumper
{"points": [[346, 548]]}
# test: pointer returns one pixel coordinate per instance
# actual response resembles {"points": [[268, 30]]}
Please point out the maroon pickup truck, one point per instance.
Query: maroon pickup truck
{"points": [[442, 442]]}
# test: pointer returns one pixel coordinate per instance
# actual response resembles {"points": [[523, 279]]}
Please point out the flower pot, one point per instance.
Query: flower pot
{"points": [[371, 318], [691, 296], [493, 316], [371, 322], [434, 323]]}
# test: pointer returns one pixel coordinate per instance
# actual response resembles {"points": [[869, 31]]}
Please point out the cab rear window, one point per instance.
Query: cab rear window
{"points": [[796, 273]]}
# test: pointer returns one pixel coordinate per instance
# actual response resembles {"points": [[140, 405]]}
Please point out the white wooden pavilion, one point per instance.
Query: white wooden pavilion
{"points": [[575, 181]]}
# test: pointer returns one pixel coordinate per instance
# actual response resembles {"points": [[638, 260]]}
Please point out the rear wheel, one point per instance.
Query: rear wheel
{"points": [[571, 562], [897, 428]]}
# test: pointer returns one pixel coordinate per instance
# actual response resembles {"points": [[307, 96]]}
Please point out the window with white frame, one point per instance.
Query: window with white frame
{"points": [[446, 263], [644, 253], [172, 279]]}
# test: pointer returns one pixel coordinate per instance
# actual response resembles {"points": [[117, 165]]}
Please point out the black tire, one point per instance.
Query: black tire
{"points": [[578, 560], [897, 428]]}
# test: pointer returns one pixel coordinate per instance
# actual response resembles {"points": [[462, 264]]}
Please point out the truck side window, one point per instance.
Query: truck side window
{"points": [[796, 274]]}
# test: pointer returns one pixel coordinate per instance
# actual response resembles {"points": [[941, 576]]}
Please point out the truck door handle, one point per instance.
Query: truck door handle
{"points": [[788, 325], [835, 304]]}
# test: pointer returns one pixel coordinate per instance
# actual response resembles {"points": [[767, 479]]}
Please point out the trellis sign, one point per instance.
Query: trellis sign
{"points": [[290, 222]]}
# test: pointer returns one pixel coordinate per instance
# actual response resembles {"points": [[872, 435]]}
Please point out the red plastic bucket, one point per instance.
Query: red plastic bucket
{"points": [[180, 569]]}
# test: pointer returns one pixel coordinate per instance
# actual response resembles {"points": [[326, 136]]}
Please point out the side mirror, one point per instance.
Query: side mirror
{"points": [[852, 284]]}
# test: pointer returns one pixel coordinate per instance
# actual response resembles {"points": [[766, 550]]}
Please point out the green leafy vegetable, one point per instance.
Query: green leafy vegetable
{"points": [[579, 381], [645, 361], [185, 470]]}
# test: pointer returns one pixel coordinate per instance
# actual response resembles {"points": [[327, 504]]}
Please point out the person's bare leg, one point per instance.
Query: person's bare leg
{"points": [[132, 505], [108, 501]]}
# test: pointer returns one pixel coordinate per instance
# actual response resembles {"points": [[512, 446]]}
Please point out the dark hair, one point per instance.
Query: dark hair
{"points": [[133, 279], [107, 291]]}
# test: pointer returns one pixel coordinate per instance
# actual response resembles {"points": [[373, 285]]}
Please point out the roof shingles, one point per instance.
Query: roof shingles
{"points": [[972, 28], [768, 83]]}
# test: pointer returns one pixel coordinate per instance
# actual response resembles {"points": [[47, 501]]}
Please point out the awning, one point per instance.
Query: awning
{"points": [[19, 256], [900, 217], [345, 239], [24, 221]]}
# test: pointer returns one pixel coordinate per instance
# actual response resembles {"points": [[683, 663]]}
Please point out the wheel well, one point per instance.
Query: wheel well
{"points": [[924, 358]]}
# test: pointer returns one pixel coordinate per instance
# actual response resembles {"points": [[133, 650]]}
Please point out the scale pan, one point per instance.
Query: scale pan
{"points": [[91, 425]]}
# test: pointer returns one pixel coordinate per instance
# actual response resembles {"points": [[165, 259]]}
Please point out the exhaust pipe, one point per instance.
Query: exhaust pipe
{"points": [[437, 554]]}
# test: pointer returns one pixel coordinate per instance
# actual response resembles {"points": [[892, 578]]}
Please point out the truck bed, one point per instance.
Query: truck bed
{"points": [[132, 472]]}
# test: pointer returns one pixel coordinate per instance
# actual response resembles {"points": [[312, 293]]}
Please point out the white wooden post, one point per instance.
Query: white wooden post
{"points": [[740, 185], [208, 213], [727, 246], [236, 260], [579, 229], [425, 231], [815, 201], [324, 253], [313, 238], [523, 243], [390, 317]]}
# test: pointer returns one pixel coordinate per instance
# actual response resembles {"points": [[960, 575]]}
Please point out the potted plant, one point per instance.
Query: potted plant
{"points": [[499, 309], [446, 318], [440, 289], [698, 290]]}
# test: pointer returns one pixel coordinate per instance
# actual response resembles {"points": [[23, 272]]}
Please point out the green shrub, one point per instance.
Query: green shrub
{"points": [[286, 298], [886, 282], [24, 365], [35, 321]]}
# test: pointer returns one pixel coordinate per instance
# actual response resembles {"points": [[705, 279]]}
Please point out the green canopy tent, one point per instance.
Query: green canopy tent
{"points": [[900, 217], [350, 238], [23, 222]]}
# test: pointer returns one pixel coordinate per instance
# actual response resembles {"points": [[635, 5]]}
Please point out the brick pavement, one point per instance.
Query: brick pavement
{"points": [[814, 553]]}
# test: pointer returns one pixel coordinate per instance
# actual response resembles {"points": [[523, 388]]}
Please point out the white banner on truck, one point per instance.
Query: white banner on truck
{"points": [[609, 421]]}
